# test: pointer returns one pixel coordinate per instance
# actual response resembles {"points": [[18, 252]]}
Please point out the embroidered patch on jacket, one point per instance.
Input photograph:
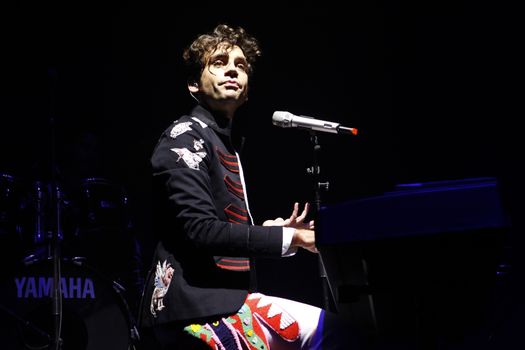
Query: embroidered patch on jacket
{"points": [[236, 215], [163, 276], [180, 129], [234, 187], [198, 144], [191, 159], [229, 161], [274, 316]]}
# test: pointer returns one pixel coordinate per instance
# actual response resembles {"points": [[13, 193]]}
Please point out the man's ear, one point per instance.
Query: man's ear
{"points": [[193, 86]]}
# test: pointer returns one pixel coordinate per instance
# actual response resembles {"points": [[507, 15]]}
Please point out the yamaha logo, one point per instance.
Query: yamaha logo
{"points": [[41, 287]]}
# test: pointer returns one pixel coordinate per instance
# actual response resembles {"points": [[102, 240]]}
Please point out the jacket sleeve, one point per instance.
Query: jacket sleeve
{"points": [[181, 167]]}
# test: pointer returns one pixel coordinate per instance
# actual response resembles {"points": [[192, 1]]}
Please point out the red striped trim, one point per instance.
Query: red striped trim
{"points": [[234, 187], [237, 222], [236, 214], [238, 260], [232, 263], [242, 217], [229, 161], [235, 268]]}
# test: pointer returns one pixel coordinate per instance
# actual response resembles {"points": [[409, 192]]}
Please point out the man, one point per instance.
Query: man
{"points": [[199, 292]]}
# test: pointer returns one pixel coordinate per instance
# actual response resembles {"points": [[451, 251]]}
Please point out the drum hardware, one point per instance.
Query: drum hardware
{"points": [[120, 290], [35, 211], [43, 233], [11, 233], [45, 214], [102, 205], [10, 203], [27, 324], [95, 313]]}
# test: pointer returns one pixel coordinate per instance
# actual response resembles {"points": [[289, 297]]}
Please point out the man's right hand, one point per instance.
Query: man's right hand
{"points": [[305, 239]]}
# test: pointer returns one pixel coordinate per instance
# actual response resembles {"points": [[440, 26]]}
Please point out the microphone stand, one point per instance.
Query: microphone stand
{"points": [[329, 303], [56, 226]]}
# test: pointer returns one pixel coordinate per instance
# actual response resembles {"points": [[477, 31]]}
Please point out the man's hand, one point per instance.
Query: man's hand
{"points": [[294, 220], [304, 235], [304, 239]]}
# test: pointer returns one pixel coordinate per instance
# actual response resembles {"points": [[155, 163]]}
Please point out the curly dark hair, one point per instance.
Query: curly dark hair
{"points": [[196, 54]]}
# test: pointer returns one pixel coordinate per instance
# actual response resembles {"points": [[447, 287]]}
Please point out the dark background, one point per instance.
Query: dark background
{"points": [[431, 86]]}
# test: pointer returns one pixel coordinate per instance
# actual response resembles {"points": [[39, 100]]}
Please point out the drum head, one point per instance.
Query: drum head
{"points": [[102, 205], [94, 315]]}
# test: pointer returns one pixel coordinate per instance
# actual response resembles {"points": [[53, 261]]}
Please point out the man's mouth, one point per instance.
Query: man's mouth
{"points": [[231, 84]]}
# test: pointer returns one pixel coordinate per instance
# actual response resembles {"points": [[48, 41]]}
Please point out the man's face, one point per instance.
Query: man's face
{"points": [[224, 81]]}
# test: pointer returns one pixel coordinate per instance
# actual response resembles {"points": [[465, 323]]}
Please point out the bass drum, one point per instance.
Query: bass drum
{"points": [[95, 316]]}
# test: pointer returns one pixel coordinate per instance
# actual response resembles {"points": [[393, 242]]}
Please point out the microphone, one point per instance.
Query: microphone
{"points": [[289, 120]]}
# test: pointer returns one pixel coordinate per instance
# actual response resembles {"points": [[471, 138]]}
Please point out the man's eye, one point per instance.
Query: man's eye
{"points": [[241, 66], [218, 63]]}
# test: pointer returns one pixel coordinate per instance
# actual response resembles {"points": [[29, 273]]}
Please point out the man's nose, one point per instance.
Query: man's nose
{"points": [[231, 69]]}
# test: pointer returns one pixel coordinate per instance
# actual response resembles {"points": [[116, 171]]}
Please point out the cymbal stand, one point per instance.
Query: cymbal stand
{"points": [[56, 224], [56, 254]]}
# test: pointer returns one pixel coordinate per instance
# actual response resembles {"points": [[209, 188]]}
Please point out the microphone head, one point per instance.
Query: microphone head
{"points": [[282, 119]]}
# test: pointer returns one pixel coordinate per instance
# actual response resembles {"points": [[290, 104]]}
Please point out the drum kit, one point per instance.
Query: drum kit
{"points": [[60, 278]]}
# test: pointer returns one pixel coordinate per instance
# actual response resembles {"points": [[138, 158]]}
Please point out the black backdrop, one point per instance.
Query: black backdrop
{"points": [[429, 85]]}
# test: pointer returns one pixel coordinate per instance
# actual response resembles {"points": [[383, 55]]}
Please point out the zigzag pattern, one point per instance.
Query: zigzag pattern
{"points": [[274, 316]]}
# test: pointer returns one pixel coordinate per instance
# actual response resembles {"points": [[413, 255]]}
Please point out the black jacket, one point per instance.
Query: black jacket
{"points": [[201, 217]]}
